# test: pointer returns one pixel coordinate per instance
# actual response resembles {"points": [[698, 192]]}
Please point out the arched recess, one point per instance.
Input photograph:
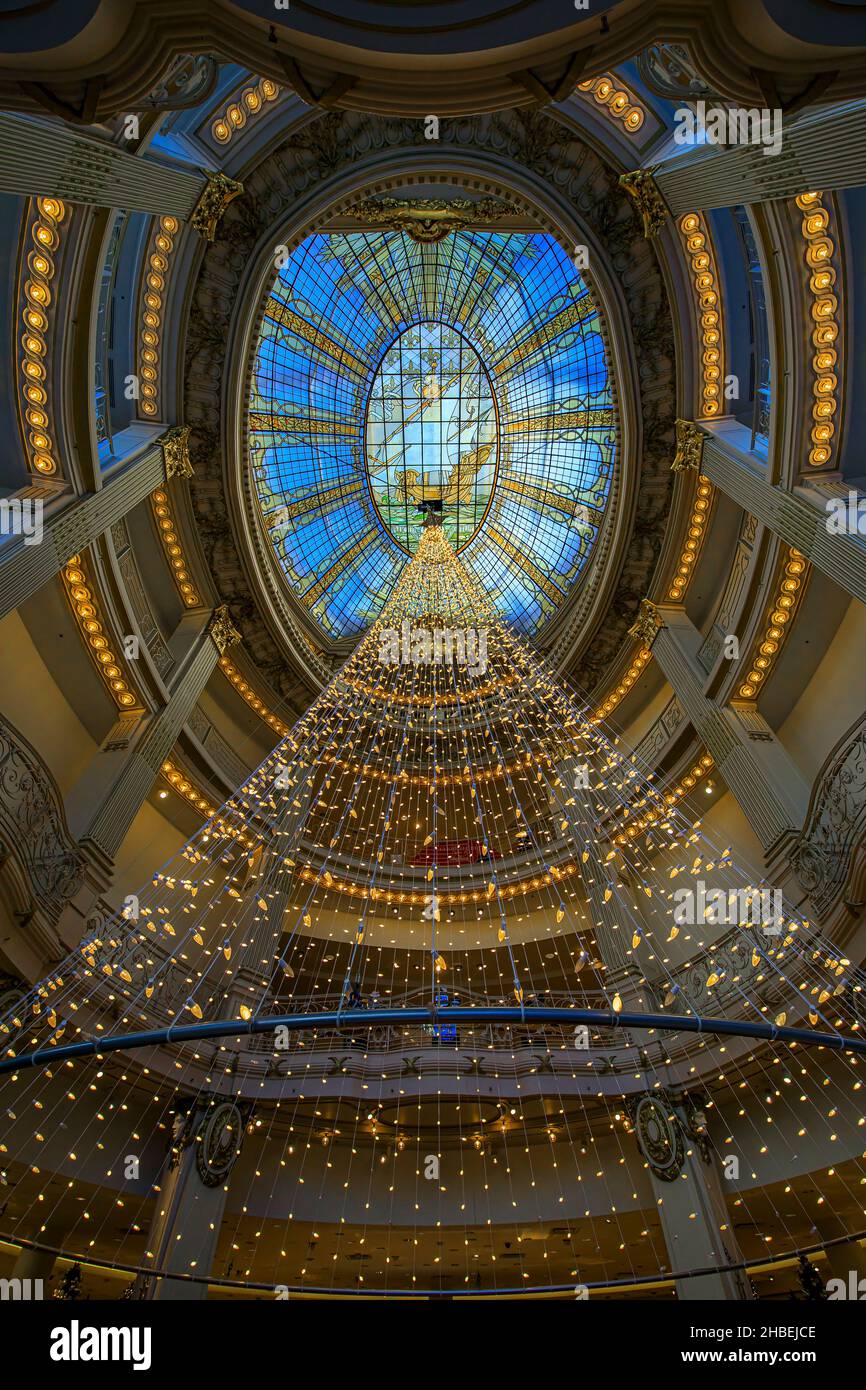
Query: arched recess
{"points": [[564, 189]]}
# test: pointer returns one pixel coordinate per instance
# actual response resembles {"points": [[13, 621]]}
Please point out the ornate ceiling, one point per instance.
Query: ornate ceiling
{"points": [[596, 345], [107, 58]]}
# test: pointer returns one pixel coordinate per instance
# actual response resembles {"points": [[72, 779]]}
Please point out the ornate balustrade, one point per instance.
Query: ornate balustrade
{"points": [[33, 829], [829, 858]]}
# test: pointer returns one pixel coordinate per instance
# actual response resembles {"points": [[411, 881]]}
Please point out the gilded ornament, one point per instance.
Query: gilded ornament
{"points": [[219, 191], [644, 193], [175, 452], [690, 446], [222, 629], [429, 220], [647, 623]]}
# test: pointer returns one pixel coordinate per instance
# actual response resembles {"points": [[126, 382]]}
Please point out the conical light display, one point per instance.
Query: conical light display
{"points": [[448, 995]]}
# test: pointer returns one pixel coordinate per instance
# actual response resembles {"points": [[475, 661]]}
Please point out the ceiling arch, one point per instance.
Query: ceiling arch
{"points": [[309, 183]]}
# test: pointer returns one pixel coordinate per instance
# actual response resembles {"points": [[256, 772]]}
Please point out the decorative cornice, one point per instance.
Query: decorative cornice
{"points": [[672, 793], [185, 787], [765, 653], [618, 102], [636, 668], [641, 187], [690, 446], [429, 220], [695, 536], [647, 624], [689, 781], [247, 693], [222, 629], [219, 191], [181, 783], [104, 76], [175, 452]]}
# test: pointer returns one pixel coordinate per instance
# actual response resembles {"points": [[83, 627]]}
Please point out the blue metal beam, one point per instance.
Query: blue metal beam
{"points": [[355, 1020]]}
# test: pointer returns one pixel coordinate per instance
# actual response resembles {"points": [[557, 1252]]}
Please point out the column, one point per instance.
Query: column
{"points": [[191, 1201], [824, 149], [841, 1260], [70, 529], [40, 157], [104, 804], [35, 1266], [684, 1172], [798, 518], [756, 768]]}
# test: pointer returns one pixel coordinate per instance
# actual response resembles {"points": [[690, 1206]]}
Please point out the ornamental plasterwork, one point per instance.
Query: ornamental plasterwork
{"points": [[188, 83], [535, 146], [819, 236], [643, 190], [219, 191], [836, 823], [669, 72], [659, 735], [36, 271], [647, 623], [659, 1137], [429, 220], [690, 446], [218, 1137], [152, 309], [175, 452], [33, 825], [223, 630], [707, 295]]}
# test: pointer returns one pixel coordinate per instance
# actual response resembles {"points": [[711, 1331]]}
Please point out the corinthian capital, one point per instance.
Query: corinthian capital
{"points": [[175, 452], [690, 447], [643, 190], [222, 629], [218, 193], [647, 623]]}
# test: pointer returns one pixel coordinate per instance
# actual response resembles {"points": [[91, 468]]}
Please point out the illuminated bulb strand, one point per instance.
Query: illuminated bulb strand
{"points": [[519, 656], [82, 600], [820, 249], [810, 953], [37, 293]]}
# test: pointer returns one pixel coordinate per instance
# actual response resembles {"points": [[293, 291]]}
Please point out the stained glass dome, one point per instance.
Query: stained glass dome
{"points": [[468, 375]]}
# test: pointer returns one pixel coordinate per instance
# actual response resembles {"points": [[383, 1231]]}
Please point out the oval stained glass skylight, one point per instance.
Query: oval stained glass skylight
{"points": [[525, 404], [431, 438]]}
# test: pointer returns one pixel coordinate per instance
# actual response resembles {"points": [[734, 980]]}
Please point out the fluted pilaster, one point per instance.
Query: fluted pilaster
{"points": [[824, 149], [115, 788], [70, 529], [749, 757], [38, 157], [797, 518]]}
